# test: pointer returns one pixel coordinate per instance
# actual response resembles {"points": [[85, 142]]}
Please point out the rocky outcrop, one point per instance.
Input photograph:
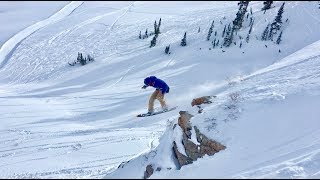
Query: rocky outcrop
{"points": [[207, 146], [193, 151], [201, 100], [148, 172], [184, 122], [182, 159], [191, 148]]}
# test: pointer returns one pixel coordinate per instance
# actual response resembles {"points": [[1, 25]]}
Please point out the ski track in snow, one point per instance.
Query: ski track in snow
{"points": [[304, 163], [13, 42], [124, 13]]}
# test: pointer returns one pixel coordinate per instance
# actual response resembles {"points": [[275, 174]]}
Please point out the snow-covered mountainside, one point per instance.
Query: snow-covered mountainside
{"points": [[62, 121]]}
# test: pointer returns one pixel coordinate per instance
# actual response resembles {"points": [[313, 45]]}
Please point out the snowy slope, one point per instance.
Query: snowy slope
{"points": [[61, 121], [11, 44], [15, 16]]}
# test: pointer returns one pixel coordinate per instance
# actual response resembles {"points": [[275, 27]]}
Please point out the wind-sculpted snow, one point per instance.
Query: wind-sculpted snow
{"points": [[15, 16], [12, 43]]}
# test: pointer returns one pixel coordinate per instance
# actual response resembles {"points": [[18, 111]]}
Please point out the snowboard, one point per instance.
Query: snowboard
{"points": [[155, 113]]}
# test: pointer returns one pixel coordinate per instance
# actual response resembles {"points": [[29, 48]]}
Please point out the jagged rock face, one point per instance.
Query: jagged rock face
{"points": [[191, 149], [208, 146], [148, 172], [194, 151], [182, 159], [184, 122]]}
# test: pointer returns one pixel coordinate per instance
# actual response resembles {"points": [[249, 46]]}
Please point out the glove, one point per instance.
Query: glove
{"points": [[143, 87]]}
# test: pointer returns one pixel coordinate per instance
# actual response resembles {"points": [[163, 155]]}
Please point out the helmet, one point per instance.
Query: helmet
{"points": [[149, 80]]}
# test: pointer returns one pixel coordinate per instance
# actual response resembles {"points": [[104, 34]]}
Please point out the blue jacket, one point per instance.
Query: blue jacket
{"points": [[157, 83]]}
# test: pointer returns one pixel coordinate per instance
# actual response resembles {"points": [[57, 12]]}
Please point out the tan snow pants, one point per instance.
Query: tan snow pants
{"points": [[157, 94]]}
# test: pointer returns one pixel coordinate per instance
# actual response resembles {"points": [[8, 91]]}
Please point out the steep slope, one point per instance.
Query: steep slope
{"points": [[11, 44], [270, 131], [24, 14], [64, 121]]}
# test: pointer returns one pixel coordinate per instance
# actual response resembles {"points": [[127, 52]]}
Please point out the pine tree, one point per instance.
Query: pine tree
{"points": [[228, 38], [247, 38], [267, 5], [158, 29], [251, 21], [210, 30], [250, 27], [276, 24], [153, 41], [199, 30], [82, 61], [155, 27], [279, 38], [240, 44], [167, 49], [264, 36], [140, 35], [214, 43], [270, 35], [215, 33], [79, 57], [224, 30], [146, 33], [278, 18], [237, 22], [184, 40], [217, 44]]}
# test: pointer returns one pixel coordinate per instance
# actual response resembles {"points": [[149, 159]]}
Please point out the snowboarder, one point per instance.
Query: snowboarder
{"points": [[161, 89]]}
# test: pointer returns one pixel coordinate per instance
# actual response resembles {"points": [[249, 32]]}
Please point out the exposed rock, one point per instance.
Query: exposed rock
{"points": [[200, 109], [190, 148], [202, 100], [184, 122], [182, 159], [148, 172], [193, 151], [207, 146]]}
